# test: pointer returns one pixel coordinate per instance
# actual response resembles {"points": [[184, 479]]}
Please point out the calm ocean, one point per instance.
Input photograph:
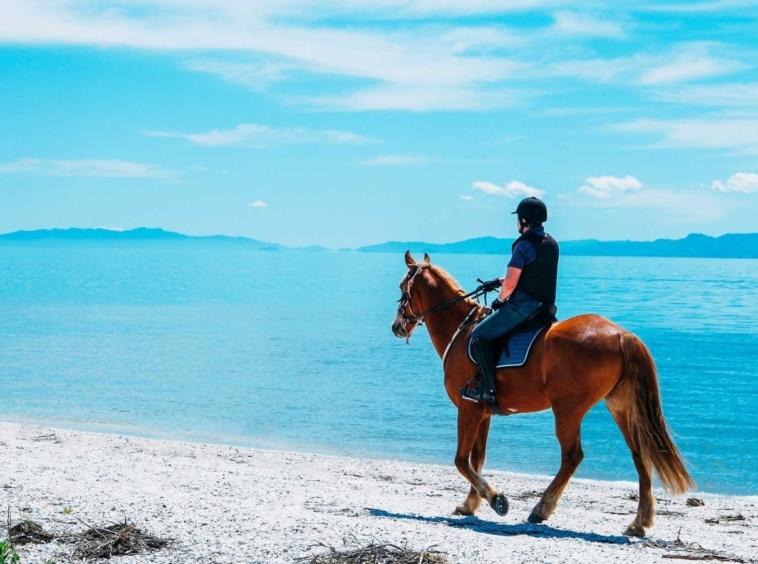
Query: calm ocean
{"points": [[293, 350]]}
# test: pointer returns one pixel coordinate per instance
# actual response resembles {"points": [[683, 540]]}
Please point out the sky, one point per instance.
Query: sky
{"points": [[344, 123]]}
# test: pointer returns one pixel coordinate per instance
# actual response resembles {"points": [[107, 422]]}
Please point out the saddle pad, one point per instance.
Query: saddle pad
{"points": [[518, 346]]}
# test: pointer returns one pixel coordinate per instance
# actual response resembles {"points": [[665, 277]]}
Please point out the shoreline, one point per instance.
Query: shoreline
{"points": [[224, 503], [298, 448]]}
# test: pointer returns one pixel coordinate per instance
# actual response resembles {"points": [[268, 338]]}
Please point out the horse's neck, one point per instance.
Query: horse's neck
{"points": [[443, 324]]}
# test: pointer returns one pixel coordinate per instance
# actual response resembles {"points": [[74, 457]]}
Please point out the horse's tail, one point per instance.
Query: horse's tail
{"points": [[647, 425]]}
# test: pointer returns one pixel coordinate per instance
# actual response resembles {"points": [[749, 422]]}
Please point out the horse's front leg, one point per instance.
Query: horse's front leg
{"points": [[478, 454], [473, 426]]}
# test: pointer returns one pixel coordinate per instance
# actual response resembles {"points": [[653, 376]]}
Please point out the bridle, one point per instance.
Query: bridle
{"points": [[417, 319], [405, 302]]}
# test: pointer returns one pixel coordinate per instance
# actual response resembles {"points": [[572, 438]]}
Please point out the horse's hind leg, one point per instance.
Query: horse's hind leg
{"points": [[478, 453], [469, 423], [619, 409], [567, 428]]}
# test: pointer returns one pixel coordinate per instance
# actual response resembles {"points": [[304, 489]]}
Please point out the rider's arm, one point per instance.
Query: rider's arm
{"points": [[510, 282]]}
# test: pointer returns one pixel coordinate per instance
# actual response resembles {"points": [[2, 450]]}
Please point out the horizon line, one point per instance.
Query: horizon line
{"points": [[386, 242]]}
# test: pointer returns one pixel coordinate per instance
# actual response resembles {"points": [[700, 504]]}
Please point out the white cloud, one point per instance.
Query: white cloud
{"points": [[595, 69], [253, 75], [744, 182], [419, 98], [679, 206], [395, 160], [466, 197], [603, 187], [510, 189], [419, 8], [575, 23], [731, 94], [257, 204], [612, 193], [419, 66], [682, 63], [707, 133], [688, 67], [688, 6], [440, 58], [255, 135], [481, 38], [104, 168], [682, 206]]}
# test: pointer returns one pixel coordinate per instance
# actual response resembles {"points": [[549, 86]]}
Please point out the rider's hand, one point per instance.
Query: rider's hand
{"points": [[496, 304], [491, 285]]}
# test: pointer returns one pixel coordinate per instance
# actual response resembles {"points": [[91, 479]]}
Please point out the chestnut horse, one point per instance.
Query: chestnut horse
{"points": [[573, 365]]}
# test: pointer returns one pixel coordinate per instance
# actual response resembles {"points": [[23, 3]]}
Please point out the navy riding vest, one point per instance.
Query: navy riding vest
{"points": [[539, 278]]}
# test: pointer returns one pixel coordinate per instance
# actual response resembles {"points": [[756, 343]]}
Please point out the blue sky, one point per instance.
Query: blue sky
{"points": [[345, 123]]}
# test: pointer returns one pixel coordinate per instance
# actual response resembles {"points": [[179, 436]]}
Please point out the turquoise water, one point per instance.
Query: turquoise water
{"points": [[294, 350]]}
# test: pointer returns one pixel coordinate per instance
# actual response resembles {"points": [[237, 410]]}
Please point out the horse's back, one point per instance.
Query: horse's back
{"points": [[586, 330], [582, 357]]}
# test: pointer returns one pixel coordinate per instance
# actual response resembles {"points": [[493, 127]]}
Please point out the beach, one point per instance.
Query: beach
{"points": [[223, 503]]}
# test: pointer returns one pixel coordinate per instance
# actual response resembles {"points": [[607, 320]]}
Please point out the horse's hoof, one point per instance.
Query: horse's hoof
{"points": [[462, 510], [535, 518], [500, 504], [634, 531]]}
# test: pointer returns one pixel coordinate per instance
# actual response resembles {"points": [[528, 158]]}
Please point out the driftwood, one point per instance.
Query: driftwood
{"points": [[119, 539], [28, 532], [378, 553], [680, 550]]}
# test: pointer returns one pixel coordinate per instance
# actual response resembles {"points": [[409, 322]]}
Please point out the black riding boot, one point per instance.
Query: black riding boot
{"points": [[485, 359]]}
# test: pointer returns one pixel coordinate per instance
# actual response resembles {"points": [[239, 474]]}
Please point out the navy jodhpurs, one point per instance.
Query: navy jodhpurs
{"points": [[514, 312]]}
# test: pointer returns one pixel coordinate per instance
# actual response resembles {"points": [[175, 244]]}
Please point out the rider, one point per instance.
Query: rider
{"points": [[529, 286]]}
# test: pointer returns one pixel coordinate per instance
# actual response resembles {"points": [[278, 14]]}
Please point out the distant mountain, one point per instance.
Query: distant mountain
{"points": [[141, 234], [731, 245]]}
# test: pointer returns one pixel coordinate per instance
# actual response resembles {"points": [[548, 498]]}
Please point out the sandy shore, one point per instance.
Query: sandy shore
{"points": [[228, 504]]}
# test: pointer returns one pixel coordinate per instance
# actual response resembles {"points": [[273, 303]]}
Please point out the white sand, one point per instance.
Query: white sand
{"points": [[228, 504]]}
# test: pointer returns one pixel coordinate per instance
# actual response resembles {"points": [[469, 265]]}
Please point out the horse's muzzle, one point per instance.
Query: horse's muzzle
{"points": [[398, 329]]}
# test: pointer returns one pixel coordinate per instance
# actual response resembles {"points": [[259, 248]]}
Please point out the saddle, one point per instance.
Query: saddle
{"points": [[515, 346]]}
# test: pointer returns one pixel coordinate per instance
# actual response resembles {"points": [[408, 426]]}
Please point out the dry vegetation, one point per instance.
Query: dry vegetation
{"points": [[377, 553], [116, 540]]}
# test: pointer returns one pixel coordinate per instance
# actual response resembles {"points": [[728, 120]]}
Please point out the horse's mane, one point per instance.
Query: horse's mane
{"points": [[447, 280]]}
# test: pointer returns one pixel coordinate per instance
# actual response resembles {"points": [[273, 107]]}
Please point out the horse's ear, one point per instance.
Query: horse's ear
{"points": [[409, 260], [427, 260]]}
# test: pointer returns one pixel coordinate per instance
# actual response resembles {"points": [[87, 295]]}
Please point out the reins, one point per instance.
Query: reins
{"points": [[418, 318]]}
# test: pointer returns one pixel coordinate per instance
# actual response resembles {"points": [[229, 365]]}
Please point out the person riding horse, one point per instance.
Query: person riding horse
{"points": [[574, 364], [529, 287]]}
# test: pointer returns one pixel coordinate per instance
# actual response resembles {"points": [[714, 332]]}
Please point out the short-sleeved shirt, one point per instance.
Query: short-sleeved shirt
{"points": [[524, 251]]}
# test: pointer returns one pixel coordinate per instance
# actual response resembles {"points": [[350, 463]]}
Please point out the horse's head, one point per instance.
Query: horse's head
{"points": [[409, 307]]}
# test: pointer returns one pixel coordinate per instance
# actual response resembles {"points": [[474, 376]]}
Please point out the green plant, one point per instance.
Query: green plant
{"points": [[8, 554]]}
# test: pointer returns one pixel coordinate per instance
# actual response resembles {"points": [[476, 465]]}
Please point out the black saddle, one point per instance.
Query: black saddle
{"points": [[515, 346]]}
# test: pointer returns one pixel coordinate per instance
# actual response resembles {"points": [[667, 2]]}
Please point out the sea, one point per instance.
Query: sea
{"points": [[293, 351]]}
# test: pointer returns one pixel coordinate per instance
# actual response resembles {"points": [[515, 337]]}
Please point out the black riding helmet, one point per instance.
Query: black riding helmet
{"points": [[532, 209]]}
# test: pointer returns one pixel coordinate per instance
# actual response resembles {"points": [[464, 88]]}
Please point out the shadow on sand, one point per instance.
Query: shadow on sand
{"points": [[493, 528]]}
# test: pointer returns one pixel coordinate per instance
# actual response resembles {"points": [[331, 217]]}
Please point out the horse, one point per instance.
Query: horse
{"points": [[573, 365]]}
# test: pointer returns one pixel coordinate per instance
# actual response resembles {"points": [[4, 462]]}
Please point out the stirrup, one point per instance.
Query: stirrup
{"points": [[471, 393]]}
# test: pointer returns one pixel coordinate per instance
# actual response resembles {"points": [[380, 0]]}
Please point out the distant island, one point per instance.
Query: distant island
{"points": [[730, 245], [139, 235]]}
